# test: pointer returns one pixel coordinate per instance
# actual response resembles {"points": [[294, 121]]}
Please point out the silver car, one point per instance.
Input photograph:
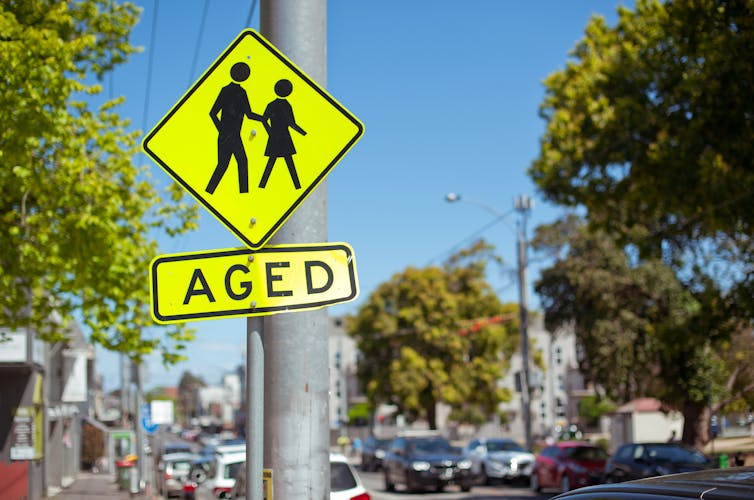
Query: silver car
{"points": [[499, 459], [174, 470]]}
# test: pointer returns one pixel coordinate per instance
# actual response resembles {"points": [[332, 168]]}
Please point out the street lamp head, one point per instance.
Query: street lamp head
{"points": [[523, 203], [452, 197]]}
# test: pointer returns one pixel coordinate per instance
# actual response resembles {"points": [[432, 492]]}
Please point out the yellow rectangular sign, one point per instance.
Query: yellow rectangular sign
{"points": [[241, 282]]}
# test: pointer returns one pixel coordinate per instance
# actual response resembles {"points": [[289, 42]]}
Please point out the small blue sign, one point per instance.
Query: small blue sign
{"points": [[146, 419]]}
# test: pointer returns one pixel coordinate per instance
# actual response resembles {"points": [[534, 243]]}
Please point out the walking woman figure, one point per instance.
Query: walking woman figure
{"points": [[278, 119]]}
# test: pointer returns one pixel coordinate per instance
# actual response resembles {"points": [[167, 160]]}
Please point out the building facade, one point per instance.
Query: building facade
{"points": [[555, 388], [43, 396]]}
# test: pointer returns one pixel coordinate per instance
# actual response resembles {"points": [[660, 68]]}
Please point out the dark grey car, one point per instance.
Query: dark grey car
{"points": [[711, 484], [425, 462], [640, 460]]}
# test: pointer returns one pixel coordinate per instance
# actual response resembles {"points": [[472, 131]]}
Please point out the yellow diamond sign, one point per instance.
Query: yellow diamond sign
{"points": [[252, 138]]}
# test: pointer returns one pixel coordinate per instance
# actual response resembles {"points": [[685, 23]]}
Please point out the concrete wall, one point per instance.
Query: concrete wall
{"points": [[656, 426]]}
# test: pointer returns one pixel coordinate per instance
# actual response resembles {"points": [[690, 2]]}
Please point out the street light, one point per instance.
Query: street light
{"points": [[523, 205]]}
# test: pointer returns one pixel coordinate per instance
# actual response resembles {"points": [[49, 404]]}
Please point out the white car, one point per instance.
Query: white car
{"points": [[345, 483], [499, 459], [221, 477]]}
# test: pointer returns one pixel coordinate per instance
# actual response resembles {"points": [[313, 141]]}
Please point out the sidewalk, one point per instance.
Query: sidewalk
{"points": [[90, 486]]}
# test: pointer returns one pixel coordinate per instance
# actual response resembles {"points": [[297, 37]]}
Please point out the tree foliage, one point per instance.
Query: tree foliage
{"points": [[418, 345], [650, 129], [652, 121], [641, 330], [188, 395], [77, 218]]}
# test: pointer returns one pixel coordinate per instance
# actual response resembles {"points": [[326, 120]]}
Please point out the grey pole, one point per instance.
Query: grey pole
{"points": [[254, 407], [296, 368], [523, 204], [136, 474]]}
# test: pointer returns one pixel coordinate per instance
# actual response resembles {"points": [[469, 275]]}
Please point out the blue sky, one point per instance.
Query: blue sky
{"points": [[448, 92]]}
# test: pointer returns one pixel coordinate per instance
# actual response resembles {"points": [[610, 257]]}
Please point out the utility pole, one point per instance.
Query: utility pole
{"points": [[296, 369], [523, 205], [137, 472]]}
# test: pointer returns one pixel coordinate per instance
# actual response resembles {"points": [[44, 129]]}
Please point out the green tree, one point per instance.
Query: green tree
{"points": [[426, 338], [78, 220], [650, 129], [188, 396], [642, 331], [651, 123], [591, 408]]}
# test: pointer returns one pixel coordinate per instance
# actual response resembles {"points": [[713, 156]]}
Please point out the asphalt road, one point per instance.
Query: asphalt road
{"points": [[375, 485]]}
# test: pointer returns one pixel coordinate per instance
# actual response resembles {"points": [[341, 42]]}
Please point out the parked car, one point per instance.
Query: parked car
{"points": [[568, 465], [640, 460], [373, 452], [345, 483], [176, 447], [197, 475], [419, 462], [711, 484], [173, 471], [498, 459], [221, 477]]}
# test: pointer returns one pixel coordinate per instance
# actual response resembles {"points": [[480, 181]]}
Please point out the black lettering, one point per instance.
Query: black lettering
{"points": [[276, 277], [204, 290], [245, 285], [310, 289]]}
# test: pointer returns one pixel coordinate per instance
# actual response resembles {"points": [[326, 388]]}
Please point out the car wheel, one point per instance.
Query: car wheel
{"points": [[465, 487], [389, 486], [534, 483], [483, 477], [565, 483]]}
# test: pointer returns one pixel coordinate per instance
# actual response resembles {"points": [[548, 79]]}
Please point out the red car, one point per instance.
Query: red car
{"points": [[568, 465]]}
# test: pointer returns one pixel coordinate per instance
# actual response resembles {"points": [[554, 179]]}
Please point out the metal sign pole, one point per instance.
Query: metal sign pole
{"points": [[296, 345], [254, 407]]}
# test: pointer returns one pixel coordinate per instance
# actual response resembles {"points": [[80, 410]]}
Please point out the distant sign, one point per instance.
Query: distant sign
{"points": [[24, 434], [162, 411], [252, 138], [241, 282], [147, 424]]}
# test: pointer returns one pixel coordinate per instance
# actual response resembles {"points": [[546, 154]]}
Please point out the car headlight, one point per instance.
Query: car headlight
{"points": [[420, 466], [464, 464]]}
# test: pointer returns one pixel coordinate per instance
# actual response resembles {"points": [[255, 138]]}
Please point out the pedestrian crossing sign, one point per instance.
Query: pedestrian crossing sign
{"points": [[252, 138]]}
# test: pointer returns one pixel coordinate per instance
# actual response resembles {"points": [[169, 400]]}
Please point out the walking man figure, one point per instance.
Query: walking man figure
{"points": [[231, 105]]}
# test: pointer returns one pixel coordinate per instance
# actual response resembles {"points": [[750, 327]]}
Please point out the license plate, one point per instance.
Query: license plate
{"points": [[448, 473]]}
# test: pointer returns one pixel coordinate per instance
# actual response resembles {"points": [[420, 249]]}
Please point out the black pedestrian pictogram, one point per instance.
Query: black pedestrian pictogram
{"points": [[277, 119], [232, 104]]}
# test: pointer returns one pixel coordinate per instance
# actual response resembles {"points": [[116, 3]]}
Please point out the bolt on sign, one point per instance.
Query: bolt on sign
{"points": [[241, 282], [252, 138]]}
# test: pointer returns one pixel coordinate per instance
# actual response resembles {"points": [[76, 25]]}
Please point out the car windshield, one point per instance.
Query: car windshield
{"points": [[231, 470], [433, 445], [586, 453], [675, 454], [181, 467], [503, 446], [341, 477]]}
